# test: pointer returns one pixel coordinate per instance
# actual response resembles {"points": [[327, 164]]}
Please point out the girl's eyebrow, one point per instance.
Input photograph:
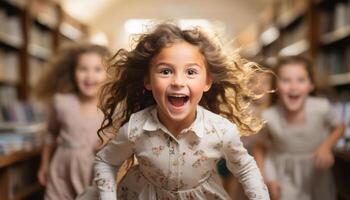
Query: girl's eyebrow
{"points": [[193, 64], [169, 64], [163, 63]]}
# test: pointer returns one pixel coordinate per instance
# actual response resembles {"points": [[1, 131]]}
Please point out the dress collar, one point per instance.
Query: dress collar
{"points": [[152, 123]]}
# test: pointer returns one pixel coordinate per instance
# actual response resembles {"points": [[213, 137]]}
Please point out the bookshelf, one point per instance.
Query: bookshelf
{"points": [[18, 156], [8, 185], [31, 31]]}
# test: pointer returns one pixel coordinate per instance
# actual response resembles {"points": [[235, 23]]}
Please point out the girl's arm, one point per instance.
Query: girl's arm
{"points": [[44, 164], [243, 166], [259, 152], [323, 156], [49, 141], [107, 162]]}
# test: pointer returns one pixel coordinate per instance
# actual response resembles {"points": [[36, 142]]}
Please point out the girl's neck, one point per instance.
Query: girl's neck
{"points": [[88, 100], [175, 127], [296, 117]]}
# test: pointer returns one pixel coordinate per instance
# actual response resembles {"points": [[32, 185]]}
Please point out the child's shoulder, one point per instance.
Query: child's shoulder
{"points": [[64, 100], [140, 117], [217, 123], [270, 112], [64, 97], [318, 105], [317, 102], [139, 121]]}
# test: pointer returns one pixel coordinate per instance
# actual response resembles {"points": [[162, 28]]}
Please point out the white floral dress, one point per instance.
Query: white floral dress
{"points": [[176, 168]]}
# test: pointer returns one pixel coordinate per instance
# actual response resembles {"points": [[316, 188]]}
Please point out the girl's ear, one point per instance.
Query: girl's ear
{"points": [[312, 87], [147, 83], [208, 84]]}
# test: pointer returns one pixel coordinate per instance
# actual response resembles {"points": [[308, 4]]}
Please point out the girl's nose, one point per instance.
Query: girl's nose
{"points": [[178, 81]]}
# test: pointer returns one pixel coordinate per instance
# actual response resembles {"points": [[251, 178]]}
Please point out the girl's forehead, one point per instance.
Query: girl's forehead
{"points": [[292, 68], [179, 50]]}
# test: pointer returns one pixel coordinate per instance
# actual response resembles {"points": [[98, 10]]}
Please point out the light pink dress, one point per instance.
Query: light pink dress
{"points": [[71, 167]]}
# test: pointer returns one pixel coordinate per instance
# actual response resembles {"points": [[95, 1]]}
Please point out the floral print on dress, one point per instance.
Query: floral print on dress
{"points": [[157, 150], [179, 168]]}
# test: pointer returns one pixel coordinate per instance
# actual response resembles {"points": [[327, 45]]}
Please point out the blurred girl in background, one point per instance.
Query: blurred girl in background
{"points": [[295, 151], [70, 87]]}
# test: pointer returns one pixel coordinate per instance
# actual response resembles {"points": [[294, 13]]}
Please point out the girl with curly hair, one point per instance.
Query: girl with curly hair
{"points": [[178, 104], [70, 87]]}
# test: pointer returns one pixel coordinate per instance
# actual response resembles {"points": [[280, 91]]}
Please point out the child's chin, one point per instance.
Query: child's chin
{"points": [[294, 107], [89, 94]]}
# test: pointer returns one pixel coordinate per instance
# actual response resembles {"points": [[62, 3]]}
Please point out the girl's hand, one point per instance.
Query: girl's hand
{"points": [[274, 190], [42, 175], [323, 157]]}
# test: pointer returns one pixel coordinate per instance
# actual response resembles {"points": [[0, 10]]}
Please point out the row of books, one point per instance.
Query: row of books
{"points": [[296, 34], [24, 140], [21, 123], [336, 18], [10, 29], [334, 60], [9, 66], [36, 67]]}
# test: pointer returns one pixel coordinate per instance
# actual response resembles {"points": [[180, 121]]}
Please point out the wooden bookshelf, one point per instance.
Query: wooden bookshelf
{"points": [[340, 79], [27, 191], [335, 36], [31, 31], [6, 160], [37, 33]]}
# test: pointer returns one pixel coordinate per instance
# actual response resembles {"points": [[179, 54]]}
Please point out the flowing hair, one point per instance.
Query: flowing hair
{"points": [[229, 95]]}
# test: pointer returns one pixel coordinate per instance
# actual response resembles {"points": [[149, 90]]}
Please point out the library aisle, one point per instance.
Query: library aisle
{"points": [[30, 33]]}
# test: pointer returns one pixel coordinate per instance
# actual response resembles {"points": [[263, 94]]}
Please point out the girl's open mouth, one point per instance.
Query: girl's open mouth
{"points": [[178, 100], [293, 97]]}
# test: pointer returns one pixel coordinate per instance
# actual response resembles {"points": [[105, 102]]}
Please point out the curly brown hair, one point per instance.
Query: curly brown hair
{"points": [[228, 96], [59, 74]]}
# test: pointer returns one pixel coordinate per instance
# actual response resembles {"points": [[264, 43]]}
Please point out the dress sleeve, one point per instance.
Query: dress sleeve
{"points": [[333, 114], [108, 161], [53, 125], [242, 165]]}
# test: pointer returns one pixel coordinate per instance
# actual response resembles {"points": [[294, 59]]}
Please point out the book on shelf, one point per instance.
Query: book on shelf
{"points": [[10, 29], [342, 14], [22, 123], [36, 67], [334, 19], [334, 61], [13, 142]]}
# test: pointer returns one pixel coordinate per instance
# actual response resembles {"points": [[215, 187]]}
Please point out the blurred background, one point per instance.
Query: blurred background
{"points": [[31, 31]]}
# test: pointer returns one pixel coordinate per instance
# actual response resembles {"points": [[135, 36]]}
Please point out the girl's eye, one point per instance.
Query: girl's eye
{"points": [[192, 72], [284, 80], [81, 68], [165, 71], [302, 80]]}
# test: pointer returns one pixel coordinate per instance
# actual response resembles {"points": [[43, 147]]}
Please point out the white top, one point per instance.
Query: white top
{"points": [[290, 158], [182, 167]]}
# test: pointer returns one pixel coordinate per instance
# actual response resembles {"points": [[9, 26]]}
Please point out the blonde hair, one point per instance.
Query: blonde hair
{"points": [[228, 96]]}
